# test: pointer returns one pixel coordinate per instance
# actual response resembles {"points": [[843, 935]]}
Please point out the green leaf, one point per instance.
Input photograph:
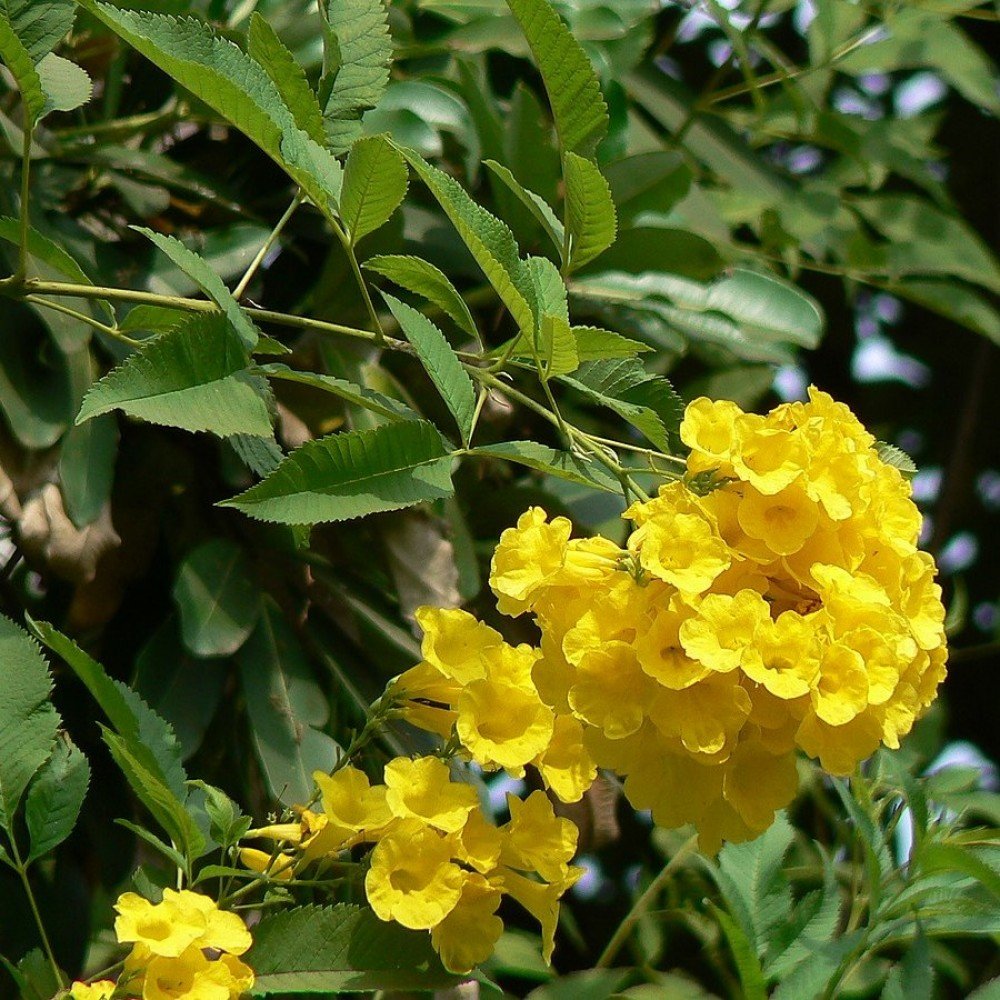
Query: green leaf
{"points": [[266, 48], [988, 991], [813, 977], [87, 468], [18, 60], [440, 362], [952, 300], [751, 976], [39, 24], [534, 203], [489, 241], [375, 182], [194, 377], [913, 977], [28, 722], [652, 248], [896, 457], [231, 83], [286, 706], [596, 344], [590, 212], [554, 463], [350, 392], [55, 798], [359, 31], [216, 598], [949, 858], [351, 475], [66, 85], [648, 184], [580, 114], [227, 824], [312, 949], [422, 278], [199, 271]]}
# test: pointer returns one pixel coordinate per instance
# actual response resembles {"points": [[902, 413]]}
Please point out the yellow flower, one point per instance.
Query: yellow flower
{"points": [[769, 460], [757, 783], [278, 867], [454, 642], [536, 839], [709, 430], [724, 628], [840, 749], [611, 690], [241, 977], [527, 558], [469, 933], [412, 879], [503, 724], [422, 789], [782, 520], [540, 899], [565, 765], [660, 652], [842, 691], [705, 717], [683, 549], [478, 843], [101, 989], [189, 976], [785, 655], [223, 931], [165, 928], [353, 807]]}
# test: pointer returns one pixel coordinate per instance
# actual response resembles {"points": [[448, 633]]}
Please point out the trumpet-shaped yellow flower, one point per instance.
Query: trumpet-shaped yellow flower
{"points": [[280, 866], [536, 839], [166, 928], [527, 559], [785, 655], [422, 789], [189, 976], [100, 989], [353, 807], [540, 899], [611, 691], [724, 628], [706, 717], [502, 724], [684, 550], [467, 936], [565, 764], [454, 642]]}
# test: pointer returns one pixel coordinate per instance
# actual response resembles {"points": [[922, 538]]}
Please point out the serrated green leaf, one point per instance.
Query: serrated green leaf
{"points": [[580, 114], [195, 377], [228, 824], [28, 722], [489, 240], [55, 798], [66, 85], [812, 978], [18, 60], [266, 48], [747, 965], [440, 362], [216, 597], [913, 977], [343, 948], [87, 468], [534, 203], [261, 455], [199, 271], [351, 475], [231, 83], [945, 857], [596, 344], [357, 77], [542, 458], [557, 347], [375, 183], [39, 24], [422, 278], [286, 706], [590, 211]]}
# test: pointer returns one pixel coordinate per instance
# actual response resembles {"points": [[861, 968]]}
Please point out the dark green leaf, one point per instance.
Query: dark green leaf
{"points": [[554, 463], [18, 60], [534, 203], [55, 798], [87, 468], [375, 182], [40, 24]]}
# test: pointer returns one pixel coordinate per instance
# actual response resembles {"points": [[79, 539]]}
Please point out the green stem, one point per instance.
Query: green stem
{"points": [[58, 307], [255, 264], [348, 246], [22, 871], [643, 903], [22, 258]]}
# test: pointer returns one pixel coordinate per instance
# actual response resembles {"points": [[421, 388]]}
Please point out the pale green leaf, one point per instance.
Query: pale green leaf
{"points": [[359, 32], [580, 114], [590, 211], [28, 722], [343, 948], [912, 978], [747, 965], [18, 60], [489, 240], [235, 86], [953, 300], [422, 278], [201, 273], [896, 457], [557, 347], [542, 458], [350, 392], [813, 977], [351, 475], [87, 468], [266, 48], [66, 85], [40, 24], [375, 182], [440, 362], [596, 344], [55, 798], [194, 377], [534, 203], [216, 598], [286, 706]]}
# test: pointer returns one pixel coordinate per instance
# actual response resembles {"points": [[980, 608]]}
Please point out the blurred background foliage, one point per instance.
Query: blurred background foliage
{"points": [[807, 193]]}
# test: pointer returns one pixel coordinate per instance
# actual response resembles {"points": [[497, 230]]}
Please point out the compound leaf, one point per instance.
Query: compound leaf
{"points": [[590, 211]]}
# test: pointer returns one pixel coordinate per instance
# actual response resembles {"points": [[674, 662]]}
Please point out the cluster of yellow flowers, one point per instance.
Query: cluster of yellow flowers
{"points": [[775, 599], [168, 960], [438, 864]]}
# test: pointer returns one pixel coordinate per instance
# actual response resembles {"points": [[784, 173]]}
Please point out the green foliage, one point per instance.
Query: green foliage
{"points": [[592, 221], [55, 798], [375, 182]]}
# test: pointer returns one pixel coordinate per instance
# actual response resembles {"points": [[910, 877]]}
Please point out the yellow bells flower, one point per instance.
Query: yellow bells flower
{"points": [[352, 804], [241, 977], [785, 655], [611, 690], [164, 928], [565, 765], [412, 878], [782, 520], [422, 789], [101, 989], [921, 601], [840, 749], [724, 628], [189, 976], [705, 717], [540, 899], [769, 460], [527, 558], [684, 550], [478, 843], [503, 724], [290, 833], [223, 931], [842, 691], [757, 783], [454, 641], [709, 429], [660, 653], [536, 839], [467, 936], [833, 477], [280, 867]]}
